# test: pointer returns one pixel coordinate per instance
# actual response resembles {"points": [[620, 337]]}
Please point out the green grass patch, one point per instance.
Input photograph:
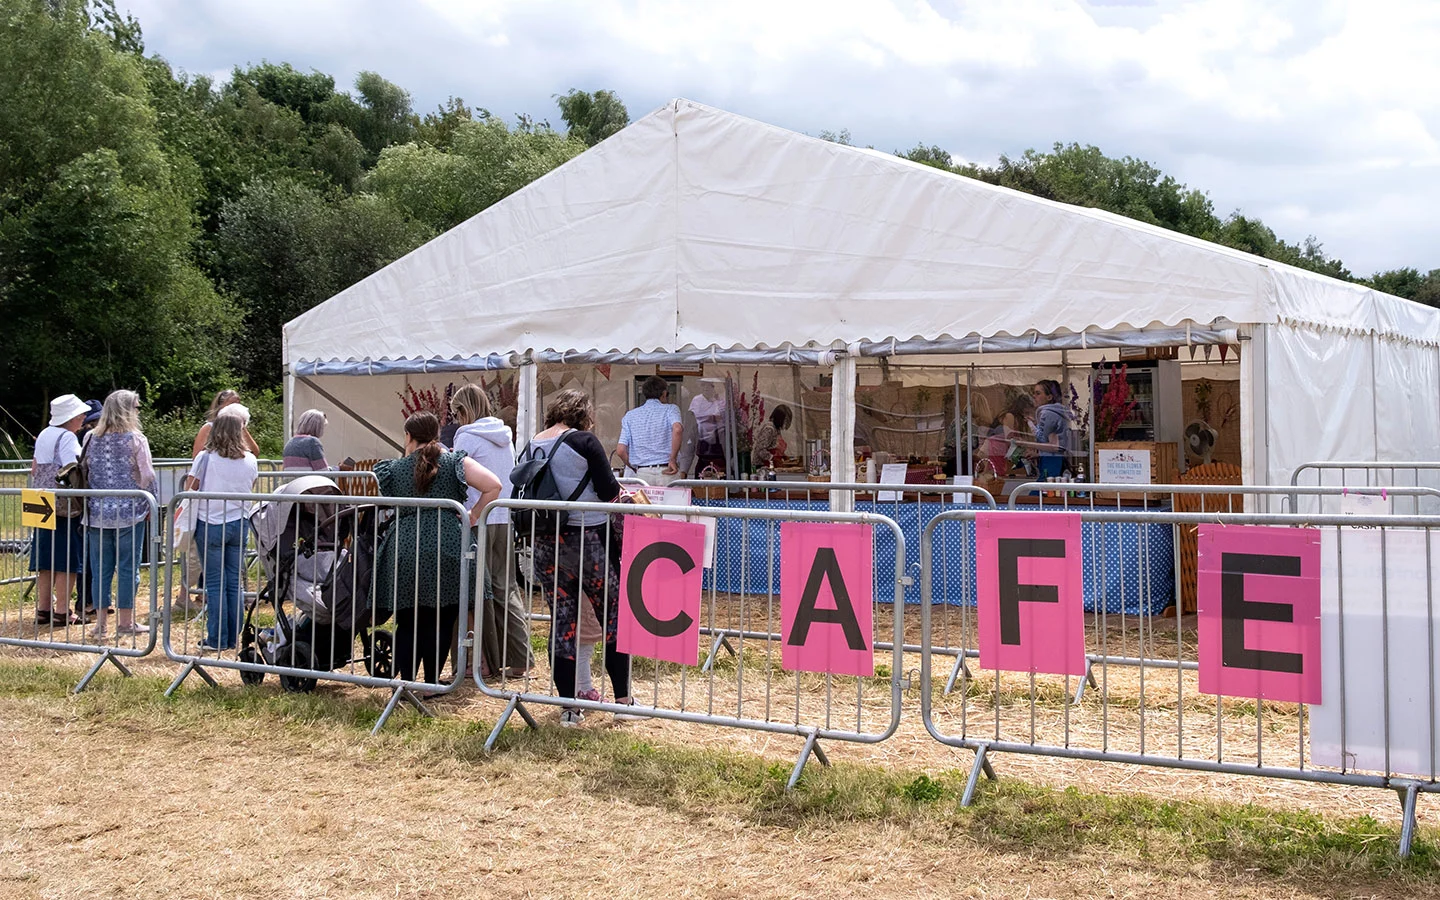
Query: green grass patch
{"points": [[1009, 815]]}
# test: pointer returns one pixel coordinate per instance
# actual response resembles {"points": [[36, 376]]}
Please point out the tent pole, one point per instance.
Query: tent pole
{"points": [[842, 431], [525, 400], [289, 403]]}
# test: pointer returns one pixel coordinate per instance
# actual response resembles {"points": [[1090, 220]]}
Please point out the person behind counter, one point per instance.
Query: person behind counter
{"points": [[650, 435], [768, 445], [1052, 429]]}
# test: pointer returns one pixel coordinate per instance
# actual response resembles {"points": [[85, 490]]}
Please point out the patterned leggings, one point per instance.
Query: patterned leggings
{"points": [[572, 561]]}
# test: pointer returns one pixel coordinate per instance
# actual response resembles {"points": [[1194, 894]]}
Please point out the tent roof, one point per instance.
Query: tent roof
{"points": [[698, 228]]}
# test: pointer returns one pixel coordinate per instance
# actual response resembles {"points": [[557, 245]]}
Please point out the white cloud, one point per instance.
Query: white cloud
{"points": [[1319, 117]]}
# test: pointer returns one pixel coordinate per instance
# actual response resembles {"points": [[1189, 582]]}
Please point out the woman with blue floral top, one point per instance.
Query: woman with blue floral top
{"points": [[117, 458]]}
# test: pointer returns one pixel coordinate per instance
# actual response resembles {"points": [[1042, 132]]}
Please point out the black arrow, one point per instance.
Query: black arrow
{"points": [[42, 509]]}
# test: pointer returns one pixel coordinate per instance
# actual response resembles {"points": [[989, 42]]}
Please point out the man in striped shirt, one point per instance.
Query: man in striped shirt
{"points": [[650, 435]]}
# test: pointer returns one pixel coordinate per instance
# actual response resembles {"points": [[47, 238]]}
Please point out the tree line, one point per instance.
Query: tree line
{"points": [[158, 228]]}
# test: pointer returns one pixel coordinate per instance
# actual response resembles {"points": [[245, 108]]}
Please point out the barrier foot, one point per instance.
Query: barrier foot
{"points": [[812, 746], [401, 693], [960, 670], [1408, 795], [105, 657], [720, 641], [1087, 681], [511, 708], [191, 666], [981, 765]]}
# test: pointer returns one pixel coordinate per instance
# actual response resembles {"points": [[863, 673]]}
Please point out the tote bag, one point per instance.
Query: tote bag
{"points": [[186, 513]]}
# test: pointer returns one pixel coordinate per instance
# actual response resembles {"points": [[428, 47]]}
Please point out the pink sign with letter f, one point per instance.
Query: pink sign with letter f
{"points": [[1031, 606]]}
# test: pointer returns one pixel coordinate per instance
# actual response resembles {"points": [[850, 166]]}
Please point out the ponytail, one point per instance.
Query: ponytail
{"points": [[424, 429], [427, 463]]}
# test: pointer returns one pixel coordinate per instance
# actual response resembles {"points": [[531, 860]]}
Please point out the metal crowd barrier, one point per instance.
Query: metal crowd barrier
{"points": [[908, 504], [1371, 473], [1116, 497], [1328, 497], [765, 691], [128, 555], [1373, 726], [319, 611]]}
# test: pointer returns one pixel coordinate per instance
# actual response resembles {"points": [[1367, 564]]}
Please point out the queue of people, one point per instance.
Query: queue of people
{"points": [[101, 541], [94, 552]]}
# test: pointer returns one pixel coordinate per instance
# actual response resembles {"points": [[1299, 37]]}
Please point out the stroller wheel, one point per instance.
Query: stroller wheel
{"points": [[380, 662], [298, 656], [247, 677]]}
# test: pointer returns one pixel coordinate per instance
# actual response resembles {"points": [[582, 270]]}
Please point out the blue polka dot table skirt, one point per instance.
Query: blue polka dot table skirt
{"points": [[1129, 567]]}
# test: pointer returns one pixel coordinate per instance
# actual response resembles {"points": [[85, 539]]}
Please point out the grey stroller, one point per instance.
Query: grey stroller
{"points": [[317, 561]]}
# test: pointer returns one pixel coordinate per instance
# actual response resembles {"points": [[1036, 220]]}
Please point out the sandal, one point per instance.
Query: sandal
{"points": [[65, 618]]}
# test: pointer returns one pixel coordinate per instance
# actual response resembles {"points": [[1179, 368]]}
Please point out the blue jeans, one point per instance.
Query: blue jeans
{"points": [[220, 548], [115, 552], [1050, 466]]}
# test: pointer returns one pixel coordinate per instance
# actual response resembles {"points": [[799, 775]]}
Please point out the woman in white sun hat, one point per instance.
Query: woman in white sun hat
{"points": [[55, 556]]}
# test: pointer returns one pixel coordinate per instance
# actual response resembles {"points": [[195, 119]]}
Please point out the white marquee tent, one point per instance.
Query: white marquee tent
{"points": [[695, 234]]}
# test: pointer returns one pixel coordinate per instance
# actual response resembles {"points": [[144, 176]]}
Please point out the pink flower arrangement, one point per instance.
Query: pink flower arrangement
{"points": [[1114, 406], [749, 415]]}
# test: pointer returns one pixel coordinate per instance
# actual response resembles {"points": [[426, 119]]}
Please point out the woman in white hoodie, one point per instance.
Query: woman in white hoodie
{"points": [[505, 635]]}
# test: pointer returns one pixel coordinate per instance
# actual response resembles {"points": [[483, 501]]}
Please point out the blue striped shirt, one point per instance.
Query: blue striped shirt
{"points": [[646, 431]]}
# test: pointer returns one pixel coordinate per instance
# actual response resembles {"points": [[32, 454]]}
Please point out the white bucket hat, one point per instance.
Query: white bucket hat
{"points": [[65, 408]]}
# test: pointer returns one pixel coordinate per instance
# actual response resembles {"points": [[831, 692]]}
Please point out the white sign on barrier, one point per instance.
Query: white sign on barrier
{"points": [[1382, 608], [1364, 504], [680, 496]]}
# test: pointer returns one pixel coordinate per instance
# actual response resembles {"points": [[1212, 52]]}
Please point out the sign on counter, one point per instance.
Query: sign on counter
{"points": [[1123, 466]]}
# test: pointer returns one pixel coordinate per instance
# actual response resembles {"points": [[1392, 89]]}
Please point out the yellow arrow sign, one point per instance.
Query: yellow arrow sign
{"points": [[37, 509]]}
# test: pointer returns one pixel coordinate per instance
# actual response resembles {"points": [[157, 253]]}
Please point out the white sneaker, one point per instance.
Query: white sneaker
{"points": [[628, 716], [571, 718]]}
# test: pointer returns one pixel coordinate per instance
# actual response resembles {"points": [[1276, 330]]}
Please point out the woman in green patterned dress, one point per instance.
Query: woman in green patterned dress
{"points": [[417, 572]]}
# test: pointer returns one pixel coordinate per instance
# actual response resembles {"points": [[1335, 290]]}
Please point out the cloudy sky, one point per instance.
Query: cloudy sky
{"points": [[1319, 116]]}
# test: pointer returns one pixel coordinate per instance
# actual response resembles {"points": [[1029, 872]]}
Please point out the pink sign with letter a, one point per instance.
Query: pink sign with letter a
{"points": [[660, 588], [1259, 612], [827, 598], [1031, 611]]}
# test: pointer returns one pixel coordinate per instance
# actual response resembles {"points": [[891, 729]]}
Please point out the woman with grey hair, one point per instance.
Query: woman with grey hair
{"points": [[304, 450], [117, 458]]}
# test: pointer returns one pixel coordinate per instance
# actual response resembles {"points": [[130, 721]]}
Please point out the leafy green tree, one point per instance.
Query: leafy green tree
{"points": [[283, 247], [932, 156], [284, 86], [486, 162], [98, 287], [592, 117], [438, 128]]}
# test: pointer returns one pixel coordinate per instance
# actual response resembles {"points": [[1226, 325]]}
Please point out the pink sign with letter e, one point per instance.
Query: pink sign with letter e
{"points": [[1259, 610], [827, 598], [660, 587], [1031, 611]]}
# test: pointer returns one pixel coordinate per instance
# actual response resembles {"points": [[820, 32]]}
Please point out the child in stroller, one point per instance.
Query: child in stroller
{"points": [[318, 558]]}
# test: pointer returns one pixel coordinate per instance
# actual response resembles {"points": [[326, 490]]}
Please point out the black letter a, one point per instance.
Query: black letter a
{"points": [[826, 566]]}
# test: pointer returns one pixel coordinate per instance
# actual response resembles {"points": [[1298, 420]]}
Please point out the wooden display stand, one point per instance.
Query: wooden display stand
{"points": [[1217, 473]]}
